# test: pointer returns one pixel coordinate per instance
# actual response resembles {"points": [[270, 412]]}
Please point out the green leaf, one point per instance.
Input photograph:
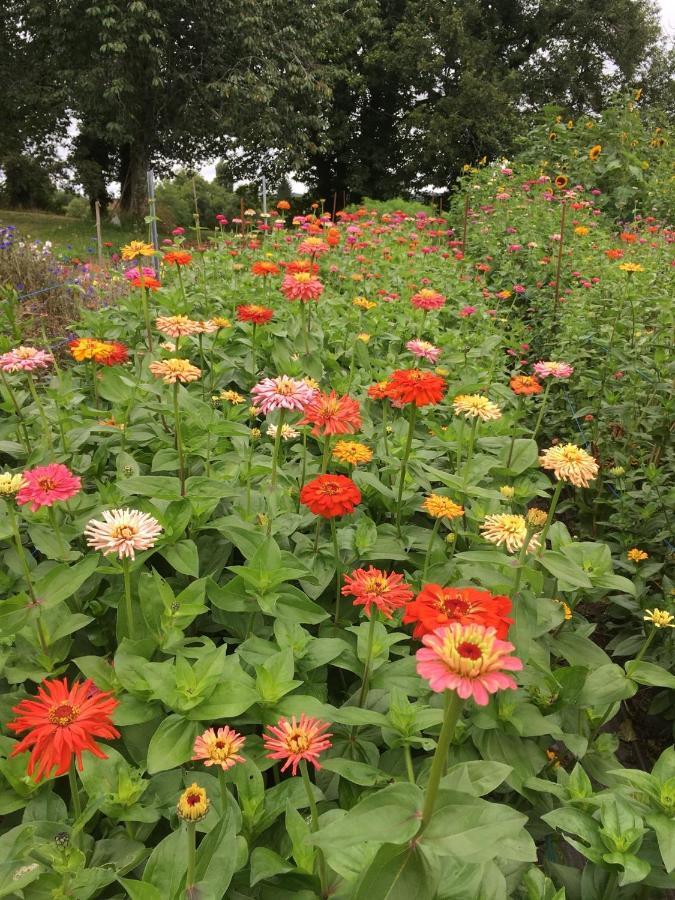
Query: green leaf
{"points": [[399, 873], [139, 890], [356, 772], [606, 685], [167, 865], [171, 745], [650, 673], [63, 581], [183, 556], [266, 863], [477, 777], [569, 575], [161, 487], [216, 859], [664, 828]]}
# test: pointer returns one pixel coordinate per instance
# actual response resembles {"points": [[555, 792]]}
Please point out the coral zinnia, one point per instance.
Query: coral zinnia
{"points": [[475, 406], [177, 326], [330, 495], [252, 312], [122, 531], [436, 606], [177, 258], [147, 281], [46, 485], [570, 463], [440, 507], [378, 391], [281, 393], [415, 386], [352, 452], [295, 741], [330, 414], [427, 299], [301, 286], [62, 722], [264, 268], [508, 529], [107, 353], [173, 370], [219, 747], [372, 587], [525, 385], [468, 659], [25, 359]]}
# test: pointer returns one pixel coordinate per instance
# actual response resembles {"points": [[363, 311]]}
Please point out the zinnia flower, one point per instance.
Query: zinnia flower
{"points": [[122, 531], [281, 393], [10, 484], [423, 350], [176, 326], [659, 618], [372, 587], [193, 804], [415, 386], [352, 452], [219, 747], [147, 282], [173, 370], [508, 529], [137, 248], [330, 414], [440, 507], [301, 286], [475, 406], [570, 463], [378, 391], [436, 606], [288, 433], [427, 299], [252, 312], [46, 485], [313, 246], [177, 258], [631, 267], [525, 385], [107, 353], [636, 555], [553, 369], [295, 741], [25, 359], [62, 722], [330, 496], [468, 659]]}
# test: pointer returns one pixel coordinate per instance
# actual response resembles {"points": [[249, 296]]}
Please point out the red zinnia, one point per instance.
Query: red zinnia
{"points": [[46, 485], [264, 267], [416, 386], [330, 414], [147, 282], [436, 606], [177, 258], [372, 587], [378, 391], [301, 265], [427, 299], [114, 354], [252, 312], [330, 496], [62, 722]]}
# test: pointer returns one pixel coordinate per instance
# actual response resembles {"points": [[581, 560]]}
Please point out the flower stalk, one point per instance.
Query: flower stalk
{"points": [[453, 709]]}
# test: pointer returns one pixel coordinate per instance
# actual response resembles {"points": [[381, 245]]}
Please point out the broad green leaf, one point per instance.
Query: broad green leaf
{"points": [[399, 873], [171, 745]]}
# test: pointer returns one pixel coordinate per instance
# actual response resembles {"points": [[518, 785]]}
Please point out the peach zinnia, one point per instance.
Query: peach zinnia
{"points": [[508, 529], [176, 326], [173, 370], [219, 747], [373, 587], [468, 659], [570, 463], [122, 531], [297, 741], [440, 507], [46, 485]]}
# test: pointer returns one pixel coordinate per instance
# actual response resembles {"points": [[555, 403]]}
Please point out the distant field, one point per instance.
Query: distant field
{"points": [[70, 237]]}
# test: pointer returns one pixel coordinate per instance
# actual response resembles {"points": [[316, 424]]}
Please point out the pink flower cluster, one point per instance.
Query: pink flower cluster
{"points": [[25, 359]]}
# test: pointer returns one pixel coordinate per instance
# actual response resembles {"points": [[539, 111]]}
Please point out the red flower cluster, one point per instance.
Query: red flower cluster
{"points": [[330, 414], [436, 606], [415, 386], [330, 495]]}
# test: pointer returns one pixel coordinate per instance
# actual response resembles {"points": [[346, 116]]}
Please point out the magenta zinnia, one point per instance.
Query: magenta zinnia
{"points": [[468, 659], [296, 741]]}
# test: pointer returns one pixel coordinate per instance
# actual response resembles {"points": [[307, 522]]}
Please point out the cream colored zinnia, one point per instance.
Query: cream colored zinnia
{"points": [[122, 531], [475, 406], [10, 483], [510, 530], [570, 463]]}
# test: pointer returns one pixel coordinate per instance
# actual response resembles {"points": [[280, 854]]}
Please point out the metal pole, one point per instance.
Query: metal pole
{"points": [[154, 237], [99, 240], [264, 194]]}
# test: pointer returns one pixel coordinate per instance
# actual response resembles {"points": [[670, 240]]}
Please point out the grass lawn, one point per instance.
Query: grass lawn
{"points": [[70, 237]]}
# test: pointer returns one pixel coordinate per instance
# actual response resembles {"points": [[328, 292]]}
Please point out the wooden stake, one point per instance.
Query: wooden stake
{"points": [[99, 239]]}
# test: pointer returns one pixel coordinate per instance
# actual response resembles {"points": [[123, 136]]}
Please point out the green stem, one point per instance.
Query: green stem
{"points": [[74, 790], [21, 422], [179, 440], [521, 563], [127, 598], [182, 287], [551, 513], [254, 349], [385, 439], [303, 319], [42, 637], [407, 755], [453, 709], [41, 410], [223, 791], [434, 532], [646, 645], [404, 464], [192, 857], [277, 444], [363, 693], [338, 569], [519, 410], [304, 465], [54, 522], [469, 452], [315, 824], [542, 408], [94, 382], [146, 313], [326, 455]]}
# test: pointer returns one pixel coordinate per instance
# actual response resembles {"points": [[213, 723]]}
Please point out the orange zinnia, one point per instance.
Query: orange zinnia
{"points": [[525, 385], [436, 606], [329, 496], [177, 258], [330, 414], [416, 386], [264, 267]]}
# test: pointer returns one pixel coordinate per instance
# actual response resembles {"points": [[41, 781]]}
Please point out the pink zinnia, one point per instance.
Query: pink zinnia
{"points": [[423, 350], [427, 299], [296, 741], [301, 286], [46, 485], [122, 531], [219, 747], [554, 369], [25, 359], [469, 659], [467, 311], [281, 393], [135, 272]]}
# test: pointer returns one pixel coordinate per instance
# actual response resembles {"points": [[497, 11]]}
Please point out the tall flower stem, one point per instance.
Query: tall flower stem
{"points": [[315, 824], [305, 329], [304, 465], [179, 440], [542, 408], [407, 755], [326, 455], [94, 383], [561, 243], [182, 287], [74, 790], [277, 445], [146, 314], [519, 412], [646, 645], [338, 569], [42, 637], [254, 348], [43, 415], [404, 464], [432, 536], [192, 857], [469, 452], [551, 513], [21, 422], [453, 709], [222, 784], [202, 363], [521, 563], [385, 439], [54, 522], [127, 599], [363, 693]]}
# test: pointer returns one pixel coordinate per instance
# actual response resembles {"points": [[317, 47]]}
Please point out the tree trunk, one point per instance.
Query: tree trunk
{"points": [[133, 181]]}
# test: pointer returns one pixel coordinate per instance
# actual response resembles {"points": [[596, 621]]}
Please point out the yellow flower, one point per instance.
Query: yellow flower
{"points": [[536, 517], [570, 463], [137, 248], [363, 337], [357, 277], [566, 608], [510, 530], [232, 397], [173, 370], [255, 433], [581, 230], [440, 507], [659, 618], [617, 471], [631, 267], [352, 452], [219, 322], [311, 383], [364, 303], [442, 371], [474, 406], [507, 491], [636, 555], [193, 804], [595, 152], [10, 484]]}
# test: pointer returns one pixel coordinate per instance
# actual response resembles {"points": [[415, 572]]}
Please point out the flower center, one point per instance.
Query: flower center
{"points": [[469, 650], [46, 483], [297, 742], [330, 488], [63, 714], [285, 388], [193, 799], [453, 605], [302, 277], [330, 407], [123, 531], [376, 584]]}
